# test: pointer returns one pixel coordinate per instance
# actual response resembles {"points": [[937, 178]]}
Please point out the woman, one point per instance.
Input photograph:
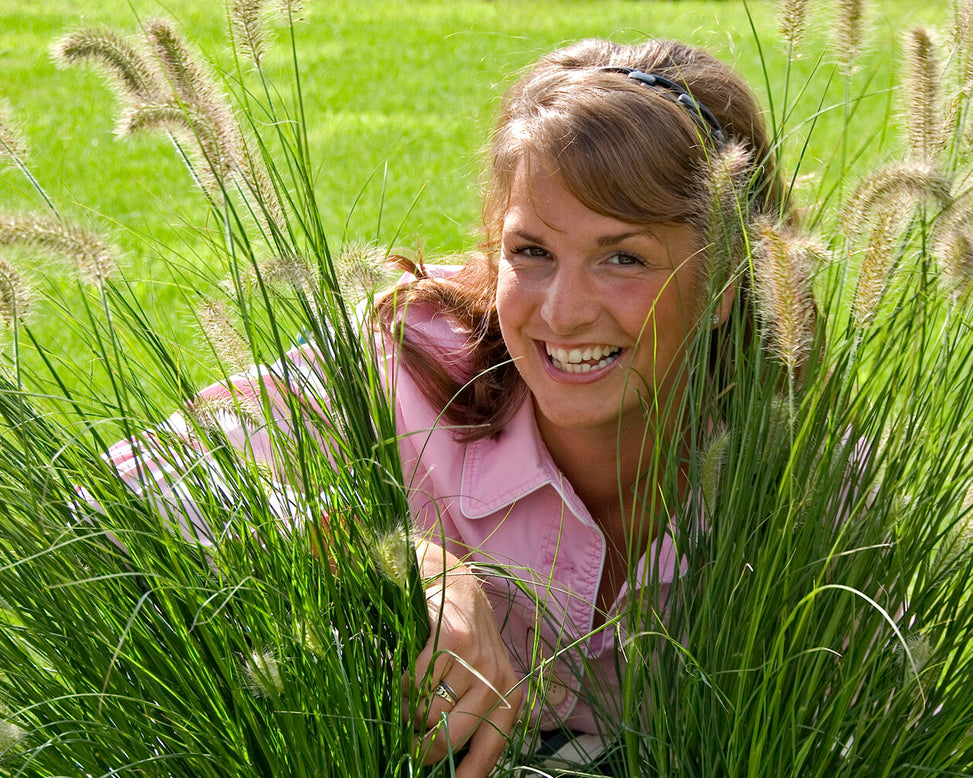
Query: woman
{"points": [[558, 356], [537, 389]]}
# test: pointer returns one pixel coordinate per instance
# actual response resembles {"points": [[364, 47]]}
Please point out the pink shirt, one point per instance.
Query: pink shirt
{"points": [[505, 503], [496, 503]]}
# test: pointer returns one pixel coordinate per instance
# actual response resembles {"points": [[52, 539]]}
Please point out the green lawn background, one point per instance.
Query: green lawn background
{"points": [[399, 97]]}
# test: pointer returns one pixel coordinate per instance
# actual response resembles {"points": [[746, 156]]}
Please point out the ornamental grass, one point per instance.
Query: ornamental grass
{"points": [[257, 620]]}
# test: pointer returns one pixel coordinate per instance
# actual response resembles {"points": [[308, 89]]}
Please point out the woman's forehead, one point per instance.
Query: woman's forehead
{"points": [[538, 190]]}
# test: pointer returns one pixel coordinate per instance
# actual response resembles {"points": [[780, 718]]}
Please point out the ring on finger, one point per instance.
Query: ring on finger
{"points": [[445, 691]]}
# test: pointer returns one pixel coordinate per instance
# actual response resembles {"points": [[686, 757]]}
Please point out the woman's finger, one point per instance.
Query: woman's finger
{"points": [[439, 701], [480, 718], [487, 743]]}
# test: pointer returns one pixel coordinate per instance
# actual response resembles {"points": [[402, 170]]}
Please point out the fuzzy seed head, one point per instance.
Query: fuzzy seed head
{"points": [[895, 189], [711, 462], [248, 22], [361, 270], [310, 636], [392, 556], [876, 267], [220, 412], [793, 20], [849, 33], [262, 674], [923, 115], [291, 10], [223, 337], [89, 254], [963, 36], [291, 271], [954, 250], [125, 68], [195, 91], [782, 286], [15, 297], [726, 189], [185, 76], [13, 147], [920, 649]]}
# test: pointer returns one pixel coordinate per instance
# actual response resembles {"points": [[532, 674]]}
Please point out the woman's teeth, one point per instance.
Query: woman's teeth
{"points": [[582, 360]]}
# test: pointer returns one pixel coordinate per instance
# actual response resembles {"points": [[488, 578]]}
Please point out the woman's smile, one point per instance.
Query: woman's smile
{"points": [[582, 359]]}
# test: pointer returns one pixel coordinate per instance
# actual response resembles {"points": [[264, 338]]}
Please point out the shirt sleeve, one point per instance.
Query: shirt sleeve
{"points": [[246, 422]]}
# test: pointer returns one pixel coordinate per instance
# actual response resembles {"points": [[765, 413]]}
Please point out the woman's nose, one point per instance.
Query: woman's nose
{"points": [[570, 301]]}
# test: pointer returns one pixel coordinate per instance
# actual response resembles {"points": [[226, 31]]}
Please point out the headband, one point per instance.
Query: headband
{"points": [[703, 116]]}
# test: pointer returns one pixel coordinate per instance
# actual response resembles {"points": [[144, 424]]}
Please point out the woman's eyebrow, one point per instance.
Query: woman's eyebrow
{"points": [[530, 238], [613, 240]]}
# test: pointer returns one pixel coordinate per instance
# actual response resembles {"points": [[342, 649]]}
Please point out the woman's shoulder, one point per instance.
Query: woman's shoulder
{"points": [[424, 323]]}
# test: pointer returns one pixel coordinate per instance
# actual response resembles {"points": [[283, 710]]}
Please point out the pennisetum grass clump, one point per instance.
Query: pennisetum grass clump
{"points": [[250, 605], [226, 611]]}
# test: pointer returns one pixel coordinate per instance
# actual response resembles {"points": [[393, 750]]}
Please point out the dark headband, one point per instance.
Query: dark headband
{"points": [[703, 116]]}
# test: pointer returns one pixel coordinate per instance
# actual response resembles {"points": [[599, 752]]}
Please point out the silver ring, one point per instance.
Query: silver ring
{"points": [[445, 691]]}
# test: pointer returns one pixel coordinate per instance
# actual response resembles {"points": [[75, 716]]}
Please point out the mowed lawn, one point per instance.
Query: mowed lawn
{"points": [[399, 98]]}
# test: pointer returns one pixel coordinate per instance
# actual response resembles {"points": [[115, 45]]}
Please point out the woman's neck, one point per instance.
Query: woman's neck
{"points": [[603, 464]]}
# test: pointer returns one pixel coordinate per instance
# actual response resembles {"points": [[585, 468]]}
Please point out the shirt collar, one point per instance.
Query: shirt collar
{"points": [[498, 472]]}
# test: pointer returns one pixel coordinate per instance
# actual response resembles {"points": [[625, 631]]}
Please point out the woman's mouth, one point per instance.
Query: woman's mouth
{"points": [[583, 359]]}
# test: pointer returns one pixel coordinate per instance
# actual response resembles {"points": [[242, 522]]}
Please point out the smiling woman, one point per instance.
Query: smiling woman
{"points": [[622, 179]]}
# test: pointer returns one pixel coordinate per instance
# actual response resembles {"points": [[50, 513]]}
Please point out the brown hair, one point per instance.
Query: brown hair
{"points": [[623, 149]]}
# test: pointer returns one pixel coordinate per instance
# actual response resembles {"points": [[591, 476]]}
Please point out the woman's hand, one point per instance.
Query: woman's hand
{"points": [[464, 652]]}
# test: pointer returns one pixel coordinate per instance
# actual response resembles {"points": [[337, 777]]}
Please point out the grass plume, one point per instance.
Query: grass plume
{"points": [[726, 188], [262, 674], [923, 110], [953, 247], [224, 338], [248, 20], [15, 296], [896, 188], [13, 145], [782, 286], [849, 33], [126, 69], [792, 21], [90, 255], [362, 270], [873, 277]]}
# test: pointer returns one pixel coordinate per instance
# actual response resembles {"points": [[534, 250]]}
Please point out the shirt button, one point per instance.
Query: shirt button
{"points": [[557, 692]]}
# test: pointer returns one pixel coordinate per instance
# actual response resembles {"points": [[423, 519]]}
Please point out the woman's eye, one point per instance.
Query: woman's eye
{"points": [[530, 251], [625, 259]]}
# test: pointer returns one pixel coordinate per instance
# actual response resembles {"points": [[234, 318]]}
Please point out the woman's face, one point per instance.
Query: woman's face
{"points": [[595, 312]]}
